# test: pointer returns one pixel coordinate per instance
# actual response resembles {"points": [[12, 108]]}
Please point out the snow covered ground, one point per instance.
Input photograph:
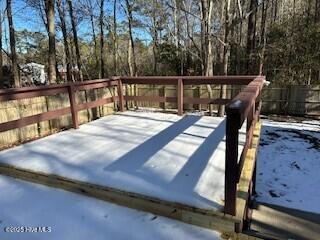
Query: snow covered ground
{"points": [[71, 216], [288, 169], [170, 157]]}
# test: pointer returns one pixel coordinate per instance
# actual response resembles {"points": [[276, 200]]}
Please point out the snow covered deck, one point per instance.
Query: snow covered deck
{"points": [[83, 218], [196, 169], [165, 156]]}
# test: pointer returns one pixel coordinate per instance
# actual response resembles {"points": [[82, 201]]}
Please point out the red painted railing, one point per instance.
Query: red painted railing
{"points": [[70, 88], [245, 106]]}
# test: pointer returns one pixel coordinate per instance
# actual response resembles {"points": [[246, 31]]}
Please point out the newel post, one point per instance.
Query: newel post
{"points": [[180, 96], [231, 157], [73, 105]]}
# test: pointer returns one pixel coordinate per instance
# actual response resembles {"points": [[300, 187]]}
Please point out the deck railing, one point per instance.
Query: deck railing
{"points": [[245, 106], [70, 88]]}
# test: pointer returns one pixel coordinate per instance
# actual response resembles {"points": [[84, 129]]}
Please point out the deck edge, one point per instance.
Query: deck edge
{"points": [[200, 217], [245, 182]]}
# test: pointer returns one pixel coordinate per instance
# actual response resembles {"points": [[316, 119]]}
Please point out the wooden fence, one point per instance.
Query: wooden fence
{"points": [[290, 100]]}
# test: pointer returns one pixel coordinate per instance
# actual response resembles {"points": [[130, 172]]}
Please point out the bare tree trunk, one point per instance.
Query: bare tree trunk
{"points": [[203, 35], [75, 39], [251, 35], [114, 38], [154, 38], [206, 43], [209, 55], [317, 11], [15, 71], [130, 58], [102, 69], [1, 60], [275, 10], [263, 39], [94, 39], [65, 40], [132, 62], [52, 41], [226, 52], [177, 30]]}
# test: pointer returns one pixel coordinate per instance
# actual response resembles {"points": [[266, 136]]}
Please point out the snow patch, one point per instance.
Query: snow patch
{"points": [[288, 165]]}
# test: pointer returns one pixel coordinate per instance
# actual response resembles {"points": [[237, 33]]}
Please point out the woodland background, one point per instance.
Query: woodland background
{"points": [[91, 39]]}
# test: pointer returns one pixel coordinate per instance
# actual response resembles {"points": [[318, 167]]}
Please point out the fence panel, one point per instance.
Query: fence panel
{"points": [[290, 100], [16, 109]]}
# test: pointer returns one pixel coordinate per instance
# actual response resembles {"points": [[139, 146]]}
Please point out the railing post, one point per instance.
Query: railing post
{"points": [[231, 157], [180, 96], [162, 93], [258, 105], [250, 121], [120, 95], [73, 106]]}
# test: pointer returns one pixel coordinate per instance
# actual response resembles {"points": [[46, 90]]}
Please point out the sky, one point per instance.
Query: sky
{"points": [[24, 17]]}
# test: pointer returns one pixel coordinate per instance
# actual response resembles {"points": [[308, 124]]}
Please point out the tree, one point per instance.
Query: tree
{"points": [[226, 49], [263, 38], [114, 39], [1, 60], [31, 47], [206, 7], [75, 39], [176, 37], [65, 40], [49, 8], [177, 32], [14, 61], [131, 49], [251, 33], [101, 21]]}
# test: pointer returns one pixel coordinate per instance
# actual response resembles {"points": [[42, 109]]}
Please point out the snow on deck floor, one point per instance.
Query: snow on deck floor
{"points": [[72, 216], [288, 165], [174, 158]]}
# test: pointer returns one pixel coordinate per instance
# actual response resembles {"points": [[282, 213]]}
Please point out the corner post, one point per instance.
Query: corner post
{"points": [[231, 157], [180, 97], [120, 95], [73, 105]]}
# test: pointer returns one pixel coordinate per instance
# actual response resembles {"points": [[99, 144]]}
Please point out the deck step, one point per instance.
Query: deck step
{"points": [[277, 222]]}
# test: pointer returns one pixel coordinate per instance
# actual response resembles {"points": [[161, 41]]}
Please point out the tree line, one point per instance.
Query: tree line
{"points": [[276, 38]]}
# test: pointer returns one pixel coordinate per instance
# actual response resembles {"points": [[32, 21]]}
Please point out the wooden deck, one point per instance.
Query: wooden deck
{"points": [[238, 158]]}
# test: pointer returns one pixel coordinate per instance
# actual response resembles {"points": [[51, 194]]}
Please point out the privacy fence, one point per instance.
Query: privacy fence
{"points": [[291, 100]]}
